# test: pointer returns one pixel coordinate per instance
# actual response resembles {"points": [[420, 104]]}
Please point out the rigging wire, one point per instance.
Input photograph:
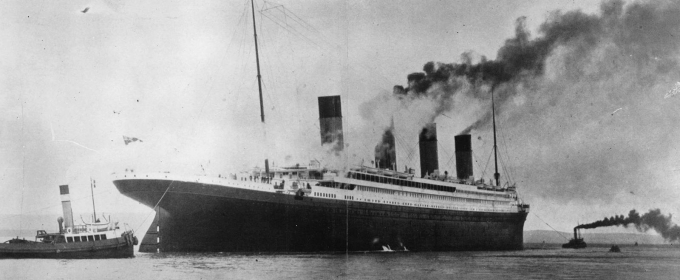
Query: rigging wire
{"points": [[154, 207], [210, 82], [478, 164], [285, 25], [412, 154], [296, 18], [271, 92], [506, 162], [241, 53], [293, 27], [265, 42], [23, 164], [293, 31], [57, 205], [447, 154], [267, 61], [504, 167], [324, 40], [487, 163], [507, 154], [329, 47], [402, 143], [549, 226]]}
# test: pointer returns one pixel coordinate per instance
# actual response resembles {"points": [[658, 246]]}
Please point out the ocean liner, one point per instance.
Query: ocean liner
{"points": [[309, 208]]}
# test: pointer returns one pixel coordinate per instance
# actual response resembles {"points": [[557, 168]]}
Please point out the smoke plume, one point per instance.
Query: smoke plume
{"points": [[518, 62], [650, 220], [555, 90], [385, 153], [521, 59]]}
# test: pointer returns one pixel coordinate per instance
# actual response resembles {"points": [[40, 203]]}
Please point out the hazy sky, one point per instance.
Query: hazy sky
{"points": [[592, 136]]}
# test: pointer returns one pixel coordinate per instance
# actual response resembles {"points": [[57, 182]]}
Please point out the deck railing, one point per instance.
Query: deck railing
{"points": [[88, 228]]}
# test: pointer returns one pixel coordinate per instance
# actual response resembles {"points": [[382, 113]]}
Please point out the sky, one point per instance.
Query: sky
{"points": [[589, 134]]}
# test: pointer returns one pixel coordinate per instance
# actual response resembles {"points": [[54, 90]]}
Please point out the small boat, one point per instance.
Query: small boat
{"points": [[88, 241], [576, 242]]}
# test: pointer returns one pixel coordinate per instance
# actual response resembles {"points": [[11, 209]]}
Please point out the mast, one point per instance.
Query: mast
{"points": [[94, 211], [496, 175], [257, 60], [259, 80]]}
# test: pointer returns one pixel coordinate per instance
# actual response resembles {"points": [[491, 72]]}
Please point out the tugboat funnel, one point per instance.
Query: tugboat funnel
{"points": [[66, 206]]}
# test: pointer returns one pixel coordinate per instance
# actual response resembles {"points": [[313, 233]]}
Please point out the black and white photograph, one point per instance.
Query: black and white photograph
{"points": [[339, 139]]}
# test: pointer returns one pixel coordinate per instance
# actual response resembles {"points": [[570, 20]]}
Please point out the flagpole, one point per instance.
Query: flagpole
{"points": [[94, 211]]}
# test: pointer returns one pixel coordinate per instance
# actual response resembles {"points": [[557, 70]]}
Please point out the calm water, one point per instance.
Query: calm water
{"points": [[550, 262]]}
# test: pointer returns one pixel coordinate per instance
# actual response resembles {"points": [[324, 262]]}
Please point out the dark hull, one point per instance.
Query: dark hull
{"points": [[103, 249], [202, 217], [575, 244]]}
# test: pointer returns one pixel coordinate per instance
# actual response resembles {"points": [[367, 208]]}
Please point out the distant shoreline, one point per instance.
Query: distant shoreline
{"points": [[553, 237]]}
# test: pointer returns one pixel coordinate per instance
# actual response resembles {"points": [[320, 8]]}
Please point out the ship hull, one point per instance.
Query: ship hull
{"points": [[575, 244], [202, 217], [102, 249]]}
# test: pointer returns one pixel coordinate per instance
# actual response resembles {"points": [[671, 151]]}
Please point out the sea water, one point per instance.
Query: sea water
{"points": [[536, 262]]}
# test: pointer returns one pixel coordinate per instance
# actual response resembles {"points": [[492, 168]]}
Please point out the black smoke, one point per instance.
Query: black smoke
{"points": [[651, 220], [555, 89], [518, 61], [522, 59], [385, 151]]}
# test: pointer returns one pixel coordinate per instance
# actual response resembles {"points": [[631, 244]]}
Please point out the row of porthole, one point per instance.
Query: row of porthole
{"points": [[408, 204], [418, 205], [71, 239], [473, 201], [329, 195], [135, 176], [438, 207]]}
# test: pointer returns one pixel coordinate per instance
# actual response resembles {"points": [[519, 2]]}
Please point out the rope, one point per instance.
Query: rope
{"points": [[322, 42], [450, 156], [159, 201], [57, 205], [479, 166], [506, 167], [23, 166], [550, 226], [400, 142], [487, 163]]}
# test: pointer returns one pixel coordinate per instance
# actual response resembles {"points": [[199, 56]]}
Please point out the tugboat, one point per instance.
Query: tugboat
{"points": [[577, 242], [88, 241]]}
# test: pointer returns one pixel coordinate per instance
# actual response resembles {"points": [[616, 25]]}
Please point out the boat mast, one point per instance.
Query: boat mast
{"points": [[259, 79], [496, 175], [257, 60], [94, 211]]}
